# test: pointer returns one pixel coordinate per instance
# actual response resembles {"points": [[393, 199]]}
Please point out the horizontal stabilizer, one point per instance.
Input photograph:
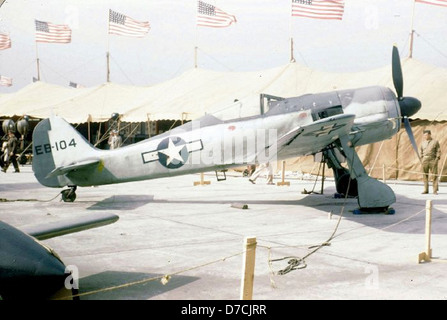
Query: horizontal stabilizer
{"points": [[60, 228], [66, 169]]}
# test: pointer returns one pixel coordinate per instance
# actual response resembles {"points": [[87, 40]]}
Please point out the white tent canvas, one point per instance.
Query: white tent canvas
{"points": [[199, 91]]}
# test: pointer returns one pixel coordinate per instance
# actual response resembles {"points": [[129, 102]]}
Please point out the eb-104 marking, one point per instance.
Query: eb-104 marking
{"points": [[58, 145]]}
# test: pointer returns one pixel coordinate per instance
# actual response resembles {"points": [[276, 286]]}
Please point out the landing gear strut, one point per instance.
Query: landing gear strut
{"points": [[372, 195], [69, 195]]}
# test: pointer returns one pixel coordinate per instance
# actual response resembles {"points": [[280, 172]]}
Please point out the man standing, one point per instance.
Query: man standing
{"points": [[12, 147], [262, 167], [115, 140], [430, 155]]}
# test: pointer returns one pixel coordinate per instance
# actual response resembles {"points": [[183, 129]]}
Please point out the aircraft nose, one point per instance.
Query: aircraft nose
{"points": [[409, 106], [27, 269]]}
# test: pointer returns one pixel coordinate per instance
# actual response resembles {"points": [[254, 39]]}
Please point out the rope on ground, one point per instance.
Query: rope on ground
{"points": [[295, 263], [29, 200], [316, 179], [386, 227], [164, 279]]}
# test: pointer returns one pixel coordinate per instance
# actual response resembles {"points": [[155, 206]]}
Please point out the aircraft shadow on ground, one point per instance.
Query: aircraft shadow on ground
{"points": [[19, 186], [122, 202], [120, 285], [405, 208]]}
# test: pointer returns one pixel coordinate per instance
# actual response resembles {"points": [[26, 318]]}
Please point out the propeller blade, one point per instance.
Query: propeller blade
{"points": [[398, 79], [411, 136]]}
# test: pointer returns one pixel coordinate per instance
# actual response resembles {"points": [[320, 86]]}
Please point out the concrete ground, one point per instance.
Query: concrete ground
{"points": [[194, 236]]}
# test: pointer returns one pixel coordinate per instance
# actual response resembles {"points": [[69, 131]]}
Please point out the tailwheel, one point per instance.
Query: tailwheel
{"points": [[69, 195]]}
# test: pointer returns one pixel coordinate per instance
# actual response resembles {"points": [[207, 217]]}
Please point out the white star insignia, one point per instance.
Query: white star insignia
{"points": [[173, 152]]}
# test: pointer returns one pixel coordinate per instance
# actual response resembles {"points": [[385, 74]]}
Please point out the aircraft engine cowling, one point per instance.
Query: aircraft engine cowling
{"points": [[377, 113]]}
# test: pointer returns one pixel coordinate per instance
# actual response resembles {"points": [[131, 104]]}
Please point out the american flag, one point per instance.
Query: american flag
{"points": [[5, 81], [122, 25], [5, 41], [318, 9], [442, 3], [52, 33], [210, 16]]}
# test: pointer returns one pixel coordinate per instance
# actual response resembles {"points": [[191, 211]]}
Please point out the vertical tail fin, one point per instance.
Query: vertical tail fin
{"points": [[57, 144]]}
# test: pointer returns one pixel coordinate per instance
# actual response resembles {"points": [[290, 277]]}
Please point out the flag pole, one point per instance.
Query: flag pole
{"points": [[37, 53], [196, 47], [410, 55], [292, 58], [108, 65], [108, 49], [38, 63]]}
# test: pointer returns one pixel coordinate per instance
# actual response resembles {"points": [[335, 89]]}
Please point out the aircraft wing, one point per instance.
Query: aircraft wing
{"points": [[314, 137], [66, 169], [60, 228]]}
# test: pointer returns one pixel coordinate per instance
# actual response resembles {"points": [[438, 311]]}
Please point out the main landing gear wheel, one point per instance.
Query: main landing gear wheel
{"points": [[69, 195], [344, 182]]}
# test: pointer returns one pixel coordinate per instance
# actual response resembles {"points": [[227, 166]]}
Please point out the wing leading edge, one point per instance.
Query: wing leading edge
{"points": [[60, 228]]}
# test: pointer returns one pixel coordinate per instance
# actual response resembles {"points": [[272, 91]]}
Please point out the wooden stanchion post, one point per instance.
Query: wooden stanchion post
{"points": [[283, 183], [248, 268], [426, 256], [202, 181]]}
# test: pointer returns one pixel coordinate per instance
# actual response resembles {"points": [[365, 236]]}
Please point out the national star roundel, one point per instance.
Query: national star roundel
{"points": [[172, 152]]}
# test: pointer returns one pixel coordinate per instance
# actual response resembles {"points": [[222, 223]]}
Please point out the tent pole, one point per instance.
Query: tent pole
{"points": [[88, 130], [292, 58], [149, 126], [38, 69], [195, 57]]}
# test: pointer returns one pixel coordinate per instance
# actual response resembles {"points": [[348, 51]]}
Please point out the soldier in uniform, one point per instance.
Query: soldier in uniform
{"points": [[430, 155], [115, 140], [12, 146]]}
